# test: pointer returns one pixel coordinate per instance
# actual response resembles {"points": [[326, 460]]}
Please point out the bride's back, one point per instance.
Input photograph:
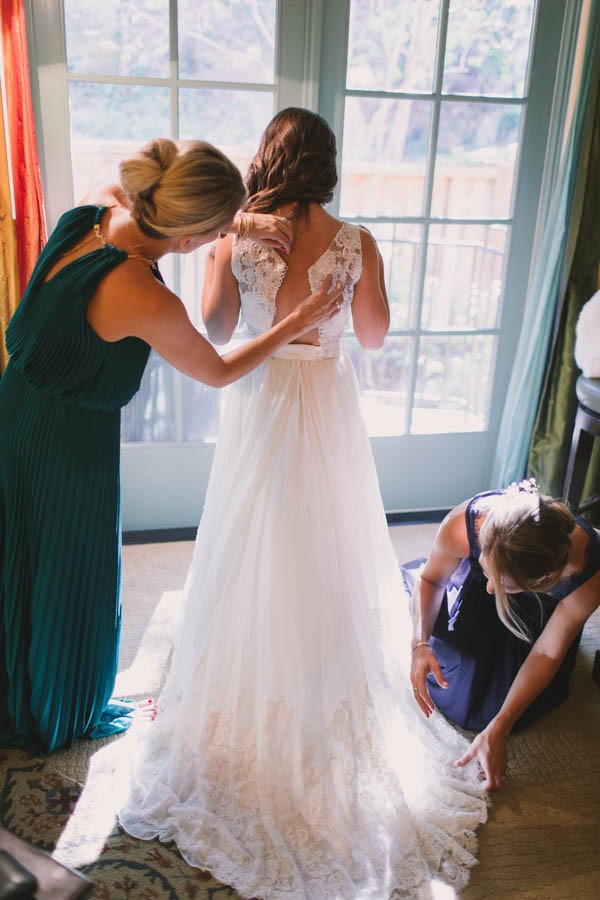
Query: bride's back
{"points": [[313, 236]]}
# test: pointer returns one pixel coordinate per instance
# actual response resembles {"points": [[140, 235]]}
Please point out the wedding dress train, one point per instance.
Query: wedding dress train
{"points": [[288, 756]]}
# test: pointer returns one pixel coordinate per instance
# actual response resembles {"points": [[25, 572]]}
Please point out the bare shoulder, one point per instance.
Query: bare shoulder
{"points": [[450, 545], [133, 282], [131, 302], [365, 235], [104, 195], [585, 598], [367, 242], [452, 538]]}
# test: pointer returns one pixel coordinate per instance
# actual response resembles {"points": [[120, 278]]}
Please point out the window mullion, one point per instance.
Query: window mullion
{"points": [[177, 386], [51, 104], [299, 24], [427, 196], [332, 87]]}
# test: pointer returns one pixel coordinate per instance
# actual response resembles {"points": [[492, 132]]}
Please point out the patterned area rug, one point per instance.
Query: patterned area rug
{"points": [[55, 811]]}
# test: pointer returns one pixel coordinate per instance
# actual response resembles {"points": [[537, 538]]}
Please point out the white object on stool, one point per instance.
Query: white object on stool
{"points": [[587, 338]]}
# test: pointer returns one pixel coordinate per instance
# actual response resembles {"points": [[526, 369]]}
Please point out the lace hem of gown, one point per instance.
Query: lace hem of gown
{"points": [[324, 823]]}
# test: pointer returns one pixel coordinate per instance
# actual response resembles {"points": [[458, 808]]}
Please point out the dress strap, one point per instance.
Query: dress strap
{"points": [[476, 507], [100, 210], [590, 567], [106, 243]]}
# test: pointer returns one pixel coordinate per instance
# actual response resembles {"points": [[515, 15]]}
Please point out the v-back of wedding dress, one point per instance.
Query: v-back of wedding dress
{"points": [[288, 756]]}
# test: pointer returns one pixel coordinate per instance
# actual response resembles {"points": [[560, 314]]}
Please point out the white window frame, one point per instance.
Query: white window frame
{"points": [[311, 65]]}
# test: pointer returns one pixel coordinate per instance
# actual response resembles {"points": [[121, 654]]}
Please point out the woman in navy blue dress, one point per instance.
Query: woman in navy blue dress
{"points": [[498, 610]]}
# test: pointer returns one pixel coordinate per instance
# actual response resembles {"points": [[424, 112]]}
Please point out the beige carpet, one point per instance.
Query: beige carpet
{"points": [[541, 842]]}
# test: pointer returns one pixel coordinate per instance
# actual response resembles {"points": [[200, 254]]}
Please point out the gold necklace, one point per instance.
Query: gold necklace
{"points": [[98, 235], [88, 240]]}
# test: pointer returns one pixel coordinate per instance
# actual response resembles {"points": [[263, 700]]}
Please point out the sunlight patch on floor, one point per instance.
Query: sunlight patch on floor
{"points": [[94, 817], [145, 673], [441, 891]]}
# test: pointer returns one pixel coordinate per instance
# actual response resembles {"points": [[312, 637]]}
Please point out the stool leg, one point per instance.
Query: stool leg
{"points": [[581, 448]]}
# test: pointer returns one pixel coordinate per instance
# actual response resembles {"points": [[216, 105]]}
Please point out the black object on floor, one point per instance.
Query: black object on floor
{"points": [[51, 880]]}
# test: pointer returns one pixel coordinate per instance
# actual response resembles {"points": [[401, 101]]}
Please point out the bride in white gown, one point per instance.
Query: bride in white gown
{"points": [[288, 756]]}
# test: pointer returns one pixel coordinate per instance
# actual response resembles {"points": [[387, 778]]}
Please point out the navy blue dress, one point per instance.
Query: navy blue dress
{"points": [[478, 655]]}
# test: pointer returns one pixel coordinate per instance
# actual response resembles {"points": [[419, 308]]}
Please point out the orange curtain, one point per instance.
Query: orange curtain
{"points": [[9, 278], [27, 188]]}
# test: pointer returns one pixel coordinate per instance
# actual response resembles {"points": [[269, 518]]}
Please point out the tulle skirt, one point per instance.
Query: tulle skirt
{"points": [[288, 756]]}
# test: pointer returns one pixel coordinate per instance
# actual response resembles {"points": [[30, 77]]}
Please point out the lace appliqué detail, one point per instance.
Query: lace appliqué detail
{"points": [[275, 818], [260, 272]]}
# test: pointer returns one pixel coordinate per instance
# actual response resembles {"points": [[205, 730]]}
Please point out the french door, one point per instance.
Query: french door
{"points": [[441, 110]]}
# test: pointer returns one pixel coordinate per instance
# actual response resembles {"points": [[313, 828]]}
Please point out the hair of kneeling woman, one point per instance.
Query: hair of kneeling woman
{"points": [[527, 539]]}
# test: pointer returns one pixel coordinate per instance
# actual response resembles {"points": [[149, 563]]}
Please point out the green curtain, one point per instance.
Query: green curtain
{"points": [[551, 439]]}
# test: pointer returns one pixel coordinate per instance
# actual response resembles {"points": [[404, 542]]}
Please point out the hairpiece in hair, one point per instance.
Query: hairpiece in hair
{"points": [[527, 486]]}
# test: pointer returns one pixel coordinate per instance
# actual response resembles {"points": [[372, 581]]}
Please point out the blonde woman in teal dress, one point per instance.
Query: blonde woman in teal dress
{"points": [[78, 345]]}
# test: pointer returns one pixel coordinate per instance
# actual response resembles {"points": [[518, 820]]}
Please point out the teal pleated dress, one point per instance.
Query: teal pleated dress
{"points": [[60, 400]]}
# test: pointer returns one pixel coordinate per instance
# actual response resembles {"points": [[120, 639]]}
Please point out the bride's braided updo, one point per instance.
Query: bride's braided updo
{"points": [[181, 189]]}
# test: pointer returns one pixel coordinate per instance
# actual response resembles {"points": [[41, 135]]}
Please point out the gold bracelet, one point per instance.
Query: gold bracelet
{"points": [[419, 644], [245, 225]]}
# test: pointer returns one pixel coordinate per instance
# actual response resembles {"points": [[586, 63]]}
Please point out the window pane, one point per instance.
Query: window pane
{"points": [[399, 245], [233, 120], [487, 47], [201, 410], [108, 123], [233, 41], [392, 45], [383, 380], [192, 279], [475, 161], [454, 376], [463, 279], [384, 156], [117, 37], [150, 415]]}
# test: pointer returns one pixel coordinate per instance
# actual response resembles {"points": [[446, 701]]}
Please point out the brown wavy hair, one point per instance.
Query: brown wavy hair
{"points": [[527, 538], [295, 163]]}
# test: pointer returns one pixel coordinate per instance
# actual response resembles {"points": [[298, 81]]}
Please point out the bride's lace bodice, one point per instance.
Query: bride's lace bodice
{"points": [[260, 272]]}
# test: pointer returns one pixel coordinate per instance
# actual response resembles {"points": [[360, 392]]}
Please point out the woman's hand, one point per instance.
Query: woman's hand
{"points": [[423, 662], [489, 748], [319, 307], [272, 231]]}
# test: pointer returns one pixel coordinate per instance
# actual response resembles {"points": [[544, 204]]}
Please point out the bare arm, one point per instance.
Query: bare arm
{"points": [[536, 673], [220, 294], [370, 308], [451, 544], [130, 302]]}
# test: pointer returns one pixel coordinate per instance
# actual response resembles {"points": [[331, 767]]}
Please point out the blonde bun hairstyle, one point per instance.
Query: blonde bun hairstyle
{"points": [[181, 189]]}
